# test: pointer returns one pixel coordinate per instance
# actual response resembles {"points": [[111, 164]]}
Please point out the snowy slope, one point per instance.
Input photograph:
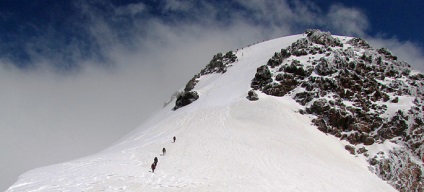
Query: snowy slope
{"points": [[224, 143]]}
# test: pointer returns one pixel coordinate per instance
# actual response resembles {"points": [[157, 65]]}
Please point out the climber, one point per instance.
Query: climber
{"points": [[174, 139], [155, 161], [163, 151], [153, 167]]}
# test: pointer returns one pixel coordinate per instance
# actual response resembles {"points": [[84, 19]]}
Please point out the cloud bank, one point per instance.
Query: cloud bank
{"points": [[81, 93]]}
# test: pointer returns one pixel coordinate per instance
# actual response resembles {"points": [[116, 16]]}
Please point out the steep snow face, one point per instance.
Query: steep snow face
{"points": [[224, 143]]}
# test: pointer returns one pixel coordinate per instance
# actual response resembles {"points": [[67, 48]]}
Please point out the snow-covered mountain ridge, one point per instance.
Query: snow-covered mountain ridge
{"points": [[356, 93], [225, 142]]}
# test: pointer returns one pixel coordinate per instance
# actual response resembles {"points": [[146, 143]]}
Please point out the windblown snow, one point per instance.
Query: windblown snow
{"points": [[224, 143]]}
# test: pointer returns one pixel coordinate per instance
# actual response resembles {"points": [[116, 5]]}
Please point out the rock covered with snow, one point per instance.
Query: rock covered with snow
{"points": [[252, 95], [219, 63], [359, 94], [262, 77], [185, 99]]}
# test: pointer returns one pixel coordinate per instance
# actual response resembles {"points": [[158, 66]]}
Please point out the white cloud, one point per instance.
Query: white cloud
{"points": [[130, 9], [347, 21]]}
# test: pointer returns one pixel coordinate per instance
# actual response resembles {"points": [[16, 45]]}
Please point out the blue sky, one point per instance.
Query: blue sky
{"points": [[391, 18], [61, 29], [75, 76]]}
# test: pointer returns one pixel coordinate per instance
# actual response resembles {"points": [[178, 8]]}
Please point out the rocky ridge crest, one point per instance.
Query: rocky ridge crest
{"points": [[358, 94], [218, 64]]}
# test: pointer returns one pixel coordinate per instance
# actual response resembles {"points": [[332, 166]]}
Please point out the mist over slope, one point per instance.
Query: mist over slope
{"points": [[230, 137]]}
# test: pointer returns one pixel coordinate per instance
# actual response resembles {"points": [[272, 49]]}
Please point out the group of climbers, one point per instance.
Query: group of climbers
{"points": [[155, 160]]}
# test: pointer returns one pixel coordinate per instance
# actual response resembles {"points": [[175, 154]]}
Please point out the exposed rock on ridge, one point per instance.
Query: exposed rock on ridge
{"points": [[354, 91], [218, 64]]}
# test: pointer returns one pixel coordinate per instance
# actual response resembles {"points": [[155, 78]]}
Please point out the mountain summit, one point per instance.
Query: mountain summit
{"points": [[308, 112]]}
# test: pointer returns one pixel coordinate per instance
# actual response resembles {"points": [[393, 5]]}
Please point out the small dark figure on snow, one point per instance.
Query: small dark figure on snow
{"points": [[155, 161], [164, 151], [153, 167], [174, 139]]}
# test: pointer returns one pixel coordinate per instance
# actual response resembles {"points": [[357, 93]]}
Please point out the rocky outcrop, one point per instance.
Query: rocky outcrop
{"points": [[262, 77], [218, 64], [186, 98], [192, 83], [352, 90], [358, 42], [323, 38], [324, 68], [278, 58], [351, 149], [252, 95], [387, 54], [402, 171]]}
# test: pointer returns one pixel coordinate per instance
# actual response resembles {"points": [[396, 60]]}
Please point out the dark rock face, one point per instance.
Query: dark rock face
{"points": [[351, 149], [358, 42], [252, 95], [219, 63], [190, 85], [369, 141], [185, 99], [304, 97], [262, 77], [319, 106], [349, 89], [387, 54], [405, 177], [263, 73], [296, 69], [324, 68]]}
